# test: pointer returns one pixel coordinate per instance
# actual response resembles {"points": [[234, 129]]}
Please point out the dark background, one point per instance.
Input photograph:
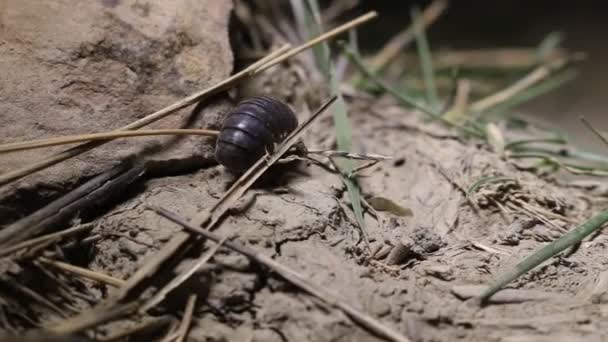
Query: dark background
{"points": [[520, 23]]}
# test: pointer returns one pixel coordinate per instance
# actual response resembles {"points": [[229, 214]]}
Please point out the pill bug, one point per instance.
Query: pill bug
{"points": [[251, 129]]}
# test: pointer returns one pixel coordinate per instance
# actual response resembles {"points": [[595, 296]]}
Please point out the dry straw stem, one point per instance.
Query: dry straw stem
{"points": [[532, 78], [461, 101], [83, 272], [92, 318], [295, 278], [500, 58], [543, 254], [396, 45], [45, 238], [184, 326], [72, 139]]}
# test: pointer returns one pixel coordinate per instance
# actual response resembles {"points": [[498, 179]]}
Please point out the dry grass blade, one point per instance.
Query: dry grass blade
{"points": [[529, 80], [458, 110], [83, 272], [42, 239], [543, 254], [295, 278], [486, 58], [93, 318], [40, 143], [180, 279], [184, 326]]}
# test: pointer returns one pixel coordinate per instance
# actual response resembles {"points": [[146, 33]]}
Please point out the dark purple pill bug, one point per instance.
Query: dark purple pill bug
{"points": [[253, 127]]}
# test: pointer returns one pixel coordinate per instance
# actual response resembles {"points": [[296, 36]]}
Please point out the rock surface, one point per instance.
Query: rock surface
{"points": [[72, 67]]}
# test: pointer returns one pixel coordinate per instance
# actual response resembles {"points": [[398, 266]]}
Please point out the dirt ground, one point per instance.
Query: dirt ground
{"points": [[417, 274]]}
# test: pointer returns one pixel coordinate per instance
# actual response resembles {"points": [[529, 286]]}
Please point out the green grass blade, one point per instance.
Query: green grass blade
{"points": [[487, 180], [340, 114], [426, 60], [315, 28], [516, 144], [570, 167], [549, 44], [567, 240]]}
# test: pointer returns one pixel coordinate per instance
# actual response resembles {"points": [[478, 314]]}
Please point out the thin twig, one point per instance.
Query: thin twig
{"points": [[594, 130], [41, 239], [348, 155], [83, 272], [72, 139], [360, 168], [184, 326], [293, 277], [543, 254]]}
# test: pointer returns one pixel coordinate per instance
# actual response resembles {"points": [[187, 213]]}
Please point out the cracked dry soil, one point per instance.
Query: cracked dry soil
{"points": [[417, 272], [303, 222]]}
